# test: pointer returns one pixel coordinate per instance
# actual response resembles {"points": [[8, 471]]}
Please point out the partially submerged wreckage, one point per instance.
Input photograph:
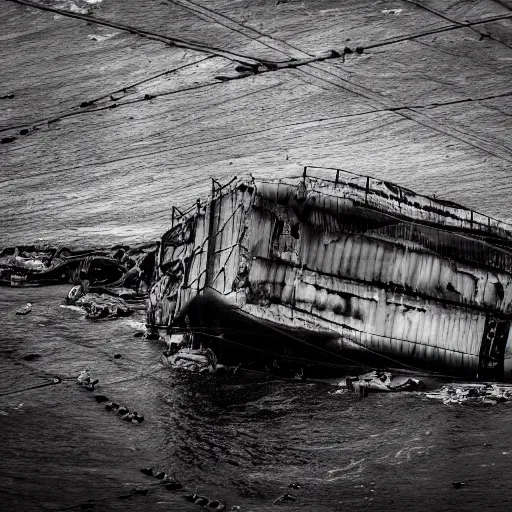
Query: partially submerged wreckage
{"points": [[107, 282], [338, 269]]}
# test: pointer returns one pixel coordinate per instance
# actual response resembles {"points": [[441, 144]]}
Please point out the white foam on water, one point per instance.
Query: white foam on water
{"points": [[139, 326], [99, 38], [77, 6], [73, 308]]}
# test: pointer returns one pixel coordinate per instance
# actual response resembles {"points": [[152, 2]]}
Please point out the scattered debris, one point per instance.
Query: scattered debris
{"points": [[215, 505], [111, 406], [203, 501], [84, 379], [295, 485], [382, 381], [148, 96], [458, 485], [25, 310], [169, 483], [123, 411], [85, 104], [121, 272], [196, 360], [473, 394], [98, 305]]}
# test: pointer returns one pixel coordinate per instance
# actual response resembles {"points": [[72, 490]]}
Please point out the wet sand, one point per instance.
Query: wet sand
{"points": [[241, 440]]}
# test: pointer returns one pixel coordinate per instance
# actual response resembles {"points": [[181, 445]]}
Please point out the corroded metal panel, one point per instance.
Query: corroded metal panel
{"points": [[380, 268]]}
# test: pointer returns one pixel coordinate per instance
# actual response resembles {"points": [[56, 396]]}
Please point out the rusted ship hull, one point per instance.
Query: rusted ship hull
{"points": [[341, 266]]}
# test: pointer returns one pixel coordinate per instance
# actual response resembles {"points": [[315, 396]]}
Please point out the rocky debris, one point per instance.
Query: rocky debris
{"points": [[84, 379], [102, 306], [203, 501], [7, 140], [382, 381], [120, 271], [473, 394], [169, 483], [25, 310], [124, 412], [196, 360]]}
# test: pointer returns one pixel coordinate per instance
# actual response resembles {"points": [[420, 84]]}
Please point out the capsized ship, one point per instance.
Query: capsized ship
{"points": [[335, 267]]}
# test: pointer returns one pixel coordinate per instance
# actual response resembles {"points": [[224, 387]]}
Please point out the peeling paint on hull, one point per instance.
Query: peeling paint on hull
{"points": [[356, 264]]}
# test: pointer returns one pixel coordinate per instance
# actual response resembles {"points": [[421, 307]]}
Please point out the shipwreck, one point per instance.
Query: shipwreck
{"points": [[331, 267]]}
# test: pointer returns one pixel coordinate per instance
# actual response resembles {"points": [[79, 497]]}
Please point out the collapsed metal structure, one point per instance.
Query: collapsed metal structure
{"points": [[341, 264]]}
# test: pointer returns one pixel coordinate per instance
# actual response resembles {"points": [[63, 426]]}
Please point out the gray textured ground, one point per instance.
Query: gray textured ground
{"points": [[400, 111]]}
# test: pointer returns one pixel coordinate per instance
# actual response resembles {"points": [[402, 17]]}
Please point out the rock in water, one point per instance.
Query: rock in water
{"points": [[25, 310], [31, 357]]}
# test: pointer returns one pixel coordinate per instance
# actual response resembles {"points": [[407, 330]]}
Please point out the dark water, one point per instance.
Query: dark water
{"points": [[241, 440]]}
